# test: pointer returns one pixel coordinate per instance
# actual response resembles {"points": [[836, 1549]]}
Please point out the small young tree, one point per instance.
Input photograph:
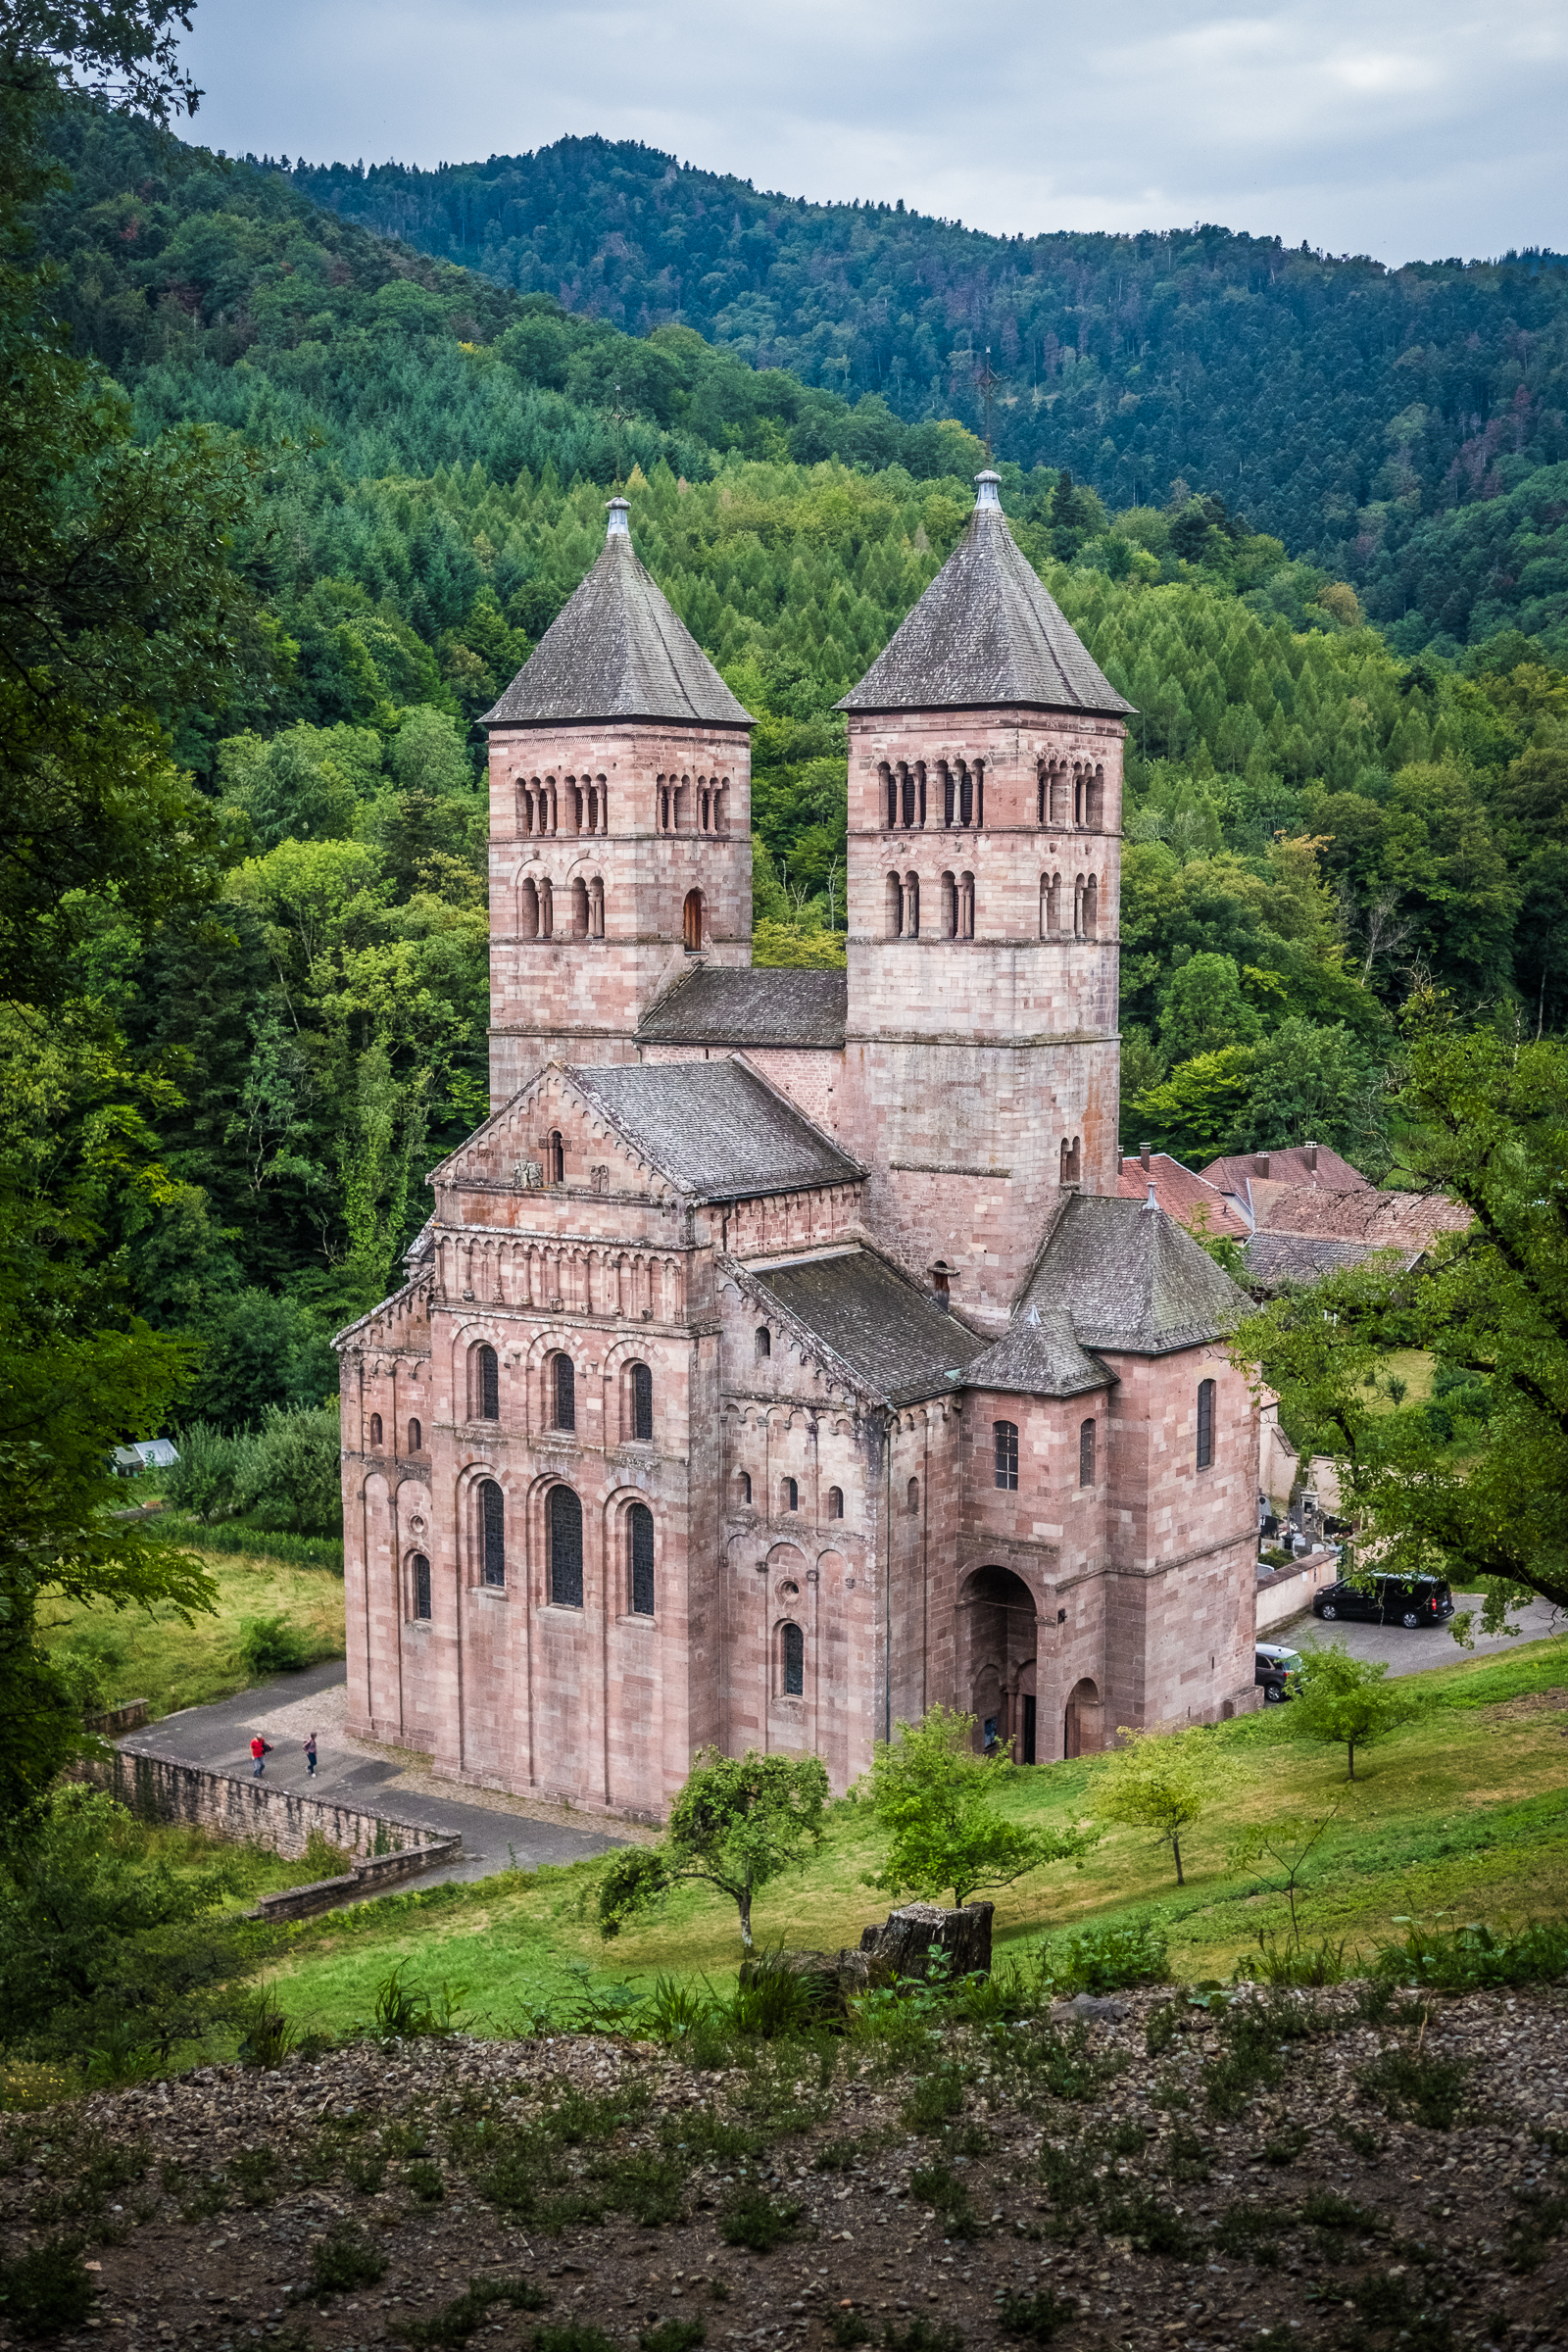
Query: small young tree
{"points": [[1160, 1781], [938, 1799], [1346, 1700], [739, 1823]]}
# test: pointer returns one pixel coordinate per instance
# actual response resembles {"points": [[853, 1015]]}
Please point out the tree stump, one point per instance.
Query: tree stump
{"points": [[830, 1979], [901, 1946]]}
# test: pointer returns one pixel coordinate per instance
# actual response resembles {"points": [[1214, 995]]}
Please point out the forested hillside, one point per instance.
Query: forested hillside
{"points": [[1342, 405], [424, 455]]}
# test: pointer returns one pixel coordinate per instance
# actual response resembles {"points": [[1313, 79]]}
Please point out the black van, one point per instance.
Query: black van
{"points": [[1412, 1600]]}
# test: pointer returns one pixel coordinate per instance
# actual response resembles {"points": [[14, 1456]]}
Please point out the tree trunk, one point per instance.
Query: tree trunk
{"points": [[1176, 1849], [742, 1903], [900, 1947], [1350, 1745]]}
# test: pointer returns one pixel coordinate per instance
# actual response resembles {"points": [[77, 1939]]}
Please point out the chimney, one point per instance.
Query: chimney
{"points": [[1312, 1158], [1143, 1151], [1261, 1168]]}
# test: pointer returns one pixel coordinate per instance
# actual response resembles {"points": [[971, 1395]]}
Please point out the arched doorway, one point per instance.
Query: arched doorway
{"points": [[1083, 1725], [998, 1633], [692, 921]]}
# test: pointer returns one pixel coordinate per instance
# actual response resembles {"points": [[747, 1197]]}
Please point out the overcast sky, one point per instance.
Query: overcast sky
{"points": [[1404, 128]]}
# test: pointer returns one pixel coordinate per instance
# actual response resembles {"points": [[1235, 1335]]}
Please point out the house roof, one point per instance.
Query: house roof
{"points": [[891, 1335], [1182, 1194], [1377, 1220], [715, 1129], [719, 1006], [985, 633], [1300, 1163], [617, 650], [1131, 1280], [1274, 1260], [1038, 1356]]}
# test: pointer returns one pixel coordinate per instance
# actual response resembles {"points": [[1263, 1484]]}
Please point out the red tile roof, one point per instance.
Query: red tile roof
{"points": [[1300, 1163], [1184, 1195], [1377, 1220]]}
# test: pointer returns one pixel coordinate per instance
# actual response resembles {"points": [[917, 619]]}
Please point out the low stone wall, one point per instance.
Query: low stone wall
{"points": [[116, 1721], [367, 1878], [1286, 1592], [164, 1788]]}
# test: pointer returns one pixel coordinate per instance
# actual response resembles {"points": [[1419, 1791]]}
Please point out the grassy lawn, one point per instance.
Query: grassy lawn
{"points": [[1409, 1364], [1464, 1815], [154, 1654]]}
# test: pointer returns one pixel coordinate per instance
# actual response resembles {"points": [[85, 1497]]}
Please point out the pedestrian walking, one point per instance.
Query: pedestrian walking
{"points": [[310, 1758], [261, 1749]]}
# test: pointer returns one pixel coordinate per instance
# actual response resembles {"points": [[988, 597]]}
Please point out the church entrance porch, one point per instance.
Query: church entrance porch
{"points": [[998, 1638], [1083, 1725]]}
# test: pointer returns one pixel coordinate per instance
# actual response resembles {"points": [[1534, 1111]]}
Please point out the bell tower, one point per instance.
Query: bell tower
{"points": [[984, 887], [620, 824]]}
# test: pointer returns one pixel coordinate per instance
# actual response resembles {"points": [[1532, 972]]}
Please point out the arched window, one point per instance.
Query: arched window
{"points": [[1086, 1453], [375, 1429], [889, 783], [1078, 889], [563, 1378], [640, 1551], [1005, 1439], [489, 1385], [912, 1498], [565, 1548], [893, 907], [416, 1438], [743, 1489], [547, 909], [493, 1521], [691, 921], [596, 908], [965, 928], [1094, 797], [555, 1154], [792, 1659], [1092, 909], [529, 910], [1071, 1156], [1060, 797], [579, 907], [789, 1494], [419, 1578], [912, 905], [1043, 796], [835, 1502], [965, 795], [764, 1343], [642, 1405], [1205, 1424], [950, 907], [910, 787]]}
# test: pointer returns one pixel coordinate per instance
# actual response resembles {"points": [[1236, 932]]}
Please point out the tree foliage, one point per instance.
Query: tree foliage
{"points": [[936, 1798], [1160, 1781], [1346, 1701], [739, 1823]]}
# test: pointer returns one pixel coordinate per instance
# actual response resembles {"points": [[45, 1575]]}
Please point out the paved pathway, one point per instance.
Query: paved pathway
{"points": [[499, 1833], [1428, 1645]]}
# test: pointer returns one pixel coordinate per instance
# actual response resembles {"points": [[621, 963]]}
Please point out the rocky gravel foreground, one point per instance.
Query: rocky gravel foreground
{"points": [[1157, 2174]]}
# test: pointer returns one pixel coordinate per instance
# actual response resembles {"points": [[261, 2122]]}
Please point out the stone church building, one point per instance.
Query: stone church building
{"points": [[781, 1357]]}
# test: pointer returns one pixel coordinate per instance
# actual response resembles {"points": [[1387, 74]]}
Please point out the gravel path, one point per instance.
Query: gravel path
{"points": [[1429, 1646]]}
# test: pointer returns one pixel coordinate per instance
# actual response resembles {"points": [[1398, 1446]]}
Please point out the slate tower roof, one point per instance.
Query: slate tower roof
{"points": [[617, 650], [985, 633]]}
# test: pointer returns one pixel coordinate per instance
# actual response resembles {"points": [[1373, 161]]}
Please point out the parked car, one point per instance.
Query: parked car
{"points": [[1276, 1672], [1412, 1600]]}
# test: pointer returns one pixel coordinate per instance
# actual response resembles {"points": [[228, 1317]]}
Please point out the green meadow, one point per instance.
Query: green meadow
{"points": [[1462, 1815]]}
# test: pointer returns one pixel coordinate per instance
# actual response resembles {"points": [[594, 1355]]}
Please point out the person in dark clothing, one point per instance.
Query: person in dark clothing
{"points": [[310, 1758]]}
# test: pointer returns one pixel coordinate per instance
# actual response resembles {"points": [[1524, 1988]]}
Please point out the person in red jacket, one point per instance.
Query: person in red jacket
{"points": [[260, 1751]]}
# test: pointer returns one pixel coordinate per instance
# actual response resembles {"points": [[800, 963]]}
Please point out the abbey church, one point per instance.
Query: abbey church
{"points": [[781, 1358]]}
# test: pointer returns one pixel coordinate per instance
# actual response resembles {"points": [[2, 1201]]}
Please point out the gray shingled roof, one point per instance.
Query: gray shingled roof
{"points": [[1132, 1281], [719, 1006], [1037, 1356], [713, 1128], [893, 1339], [1275, 1259], [984, 633], [617, 650]]}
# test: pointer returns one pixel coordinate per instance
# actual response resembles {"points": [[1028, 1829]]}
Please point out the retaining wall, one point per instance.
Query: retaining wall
{"points": [[114, 1721], [164, 1788], [1286, 1592], [368, 1877]]}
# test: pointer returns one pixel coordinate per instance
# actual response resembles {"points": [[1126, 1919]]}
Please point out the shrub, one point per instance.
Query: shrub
{"points": [[267, 2038], [751, 2218], [1429, 2090], [344, 2261], [272, 1646], [456, 2321], [293, 1478], [1107, 1959], [1037, 2317], [213, 1472], [673, 2335], [46, 2290], [1463, 1959]]}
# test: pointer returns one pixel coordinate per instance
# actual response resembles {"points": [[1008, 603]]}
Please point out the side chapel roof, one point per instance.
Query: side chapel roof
{"points": [[617, 650], [1130, 1281], [891, 1335], [985, 633], [718, 1005], [715, 1129]]}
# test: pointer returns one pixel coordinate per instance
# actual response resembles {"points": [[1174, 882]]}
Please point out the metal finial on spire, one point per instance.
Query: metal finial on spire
{"points": [[986, 492], [617, 510], [986, 385]]}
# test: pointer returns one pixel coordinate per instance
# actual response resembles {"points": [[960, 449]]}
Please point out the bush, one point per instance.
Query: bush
{"points": [[1108, 1959], [752, 2219], [272, 1645], [212, 1474], [46, 2290], [344, 2261], [293, 1475], [1463, 1959]]}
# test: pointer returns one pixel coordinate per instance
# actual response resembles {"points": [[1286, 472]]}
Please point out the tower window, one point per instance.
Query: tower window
{"points": [[555, 1154], [579, 907], [493, 1521], [489, 1385], [565, 1548], [596, 908], [912, 1498], [965, 911], [835, 1502], [790, 1493], [420, 1580], [743, 1489], [793, 1659], [691, 927], [764, 1343], [375, 1429], [1071, 1155], [1205, 1424], [529, 910], [893, 906], [640, 1547], [1086, 1453], [1005, 1438], [563, 1376], [416, 1438], [912, 905], [642, 1405], [547, 909]]}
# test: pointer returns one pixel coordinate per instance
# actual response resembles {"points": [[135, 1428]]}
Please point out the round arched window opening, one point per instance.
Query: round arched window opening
{"points": [[792, 1661], [565, 1548]]}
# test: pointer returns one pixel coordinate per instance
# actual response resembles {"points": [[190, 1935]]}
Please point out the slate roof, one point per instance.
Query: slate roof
{"points": [[718, 1005], [1038, 1356], [1274, 1260], [1131, 1280], [891, 1335], [714, 1128], [984, 633], [617, 650], [1181, 1194]]}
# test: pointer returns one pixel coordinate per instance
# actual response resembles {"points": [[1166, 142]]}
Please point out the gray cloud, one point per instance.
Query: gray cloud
{"points": [[1387, 127]]}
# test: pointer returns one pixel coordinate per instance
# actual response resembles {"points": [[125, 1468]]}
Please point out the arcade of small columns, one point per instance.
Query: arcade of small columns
{"points": [[553, 1276], [568, 804]]}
